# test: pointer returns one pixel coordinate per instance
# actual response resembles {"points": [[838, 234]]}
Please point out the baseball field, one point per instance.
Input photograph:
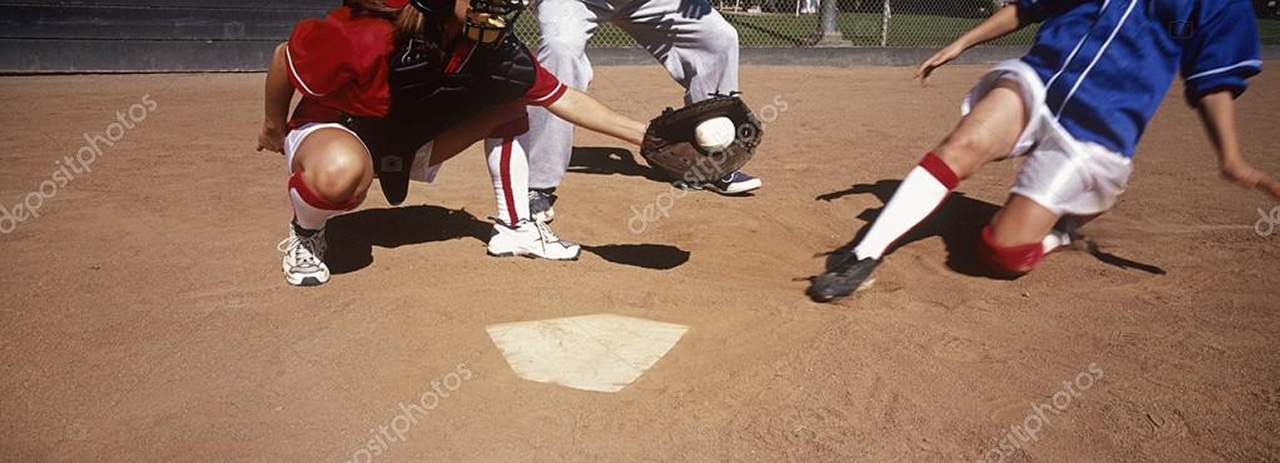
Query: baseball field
{"points": [[145, 317]]}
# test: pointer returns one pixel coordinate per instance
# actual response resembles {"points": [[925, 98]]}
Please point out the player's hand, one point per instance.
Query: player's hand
{"points": [[271, 139], [1245, 175], [943, 56]]}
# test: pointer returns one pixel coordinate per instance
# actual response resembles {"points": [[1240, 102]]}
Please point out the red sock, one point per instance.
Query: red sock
{"points": [[921, 192], [310, 210]]}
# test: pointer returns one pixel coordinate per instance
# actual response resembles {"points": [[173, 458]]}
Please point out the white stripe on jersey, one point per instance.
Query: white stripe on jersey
{"points": [[289, 59], [1096, 58], [1242, 64], [548, 96]]}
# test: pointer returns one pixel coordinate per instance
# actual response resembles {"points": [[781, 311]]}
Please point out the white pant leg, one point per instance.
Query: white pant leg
{"points": [[691, 39], [566, 25], [1062, 174]]}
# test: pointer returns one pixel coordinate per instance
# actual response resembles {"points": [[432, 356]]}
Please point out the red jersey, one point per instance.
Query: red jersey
{"points": [[340, 66]]}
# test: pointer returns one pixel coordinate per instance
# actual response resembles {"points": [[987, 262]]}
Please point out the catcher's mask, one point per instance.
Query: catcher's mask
{"points": [[489, 20]]}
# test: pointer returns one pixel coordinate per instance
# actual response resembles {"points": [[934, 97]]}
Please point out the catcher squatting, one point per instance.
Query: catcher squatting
{"points": [[375, 74]]}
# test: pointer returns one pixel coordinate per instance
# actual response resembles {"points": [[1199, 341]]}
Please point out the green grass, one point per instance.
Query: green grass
{"points": [[862, 29]]}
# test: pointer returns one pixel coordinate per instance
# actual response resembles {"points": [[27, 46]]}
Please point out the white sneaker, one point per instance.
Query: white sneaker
{"points": [[530, 239], [304, 259]]}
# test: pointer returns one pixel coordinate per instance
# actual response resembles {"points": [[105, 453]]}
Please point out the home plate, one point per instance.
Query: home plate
{"points": [[601, 352]]}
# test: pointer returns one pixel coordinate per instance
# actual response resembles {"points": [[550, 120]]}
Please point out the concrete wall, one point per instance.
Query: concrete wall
{"points": [[146, 35]]}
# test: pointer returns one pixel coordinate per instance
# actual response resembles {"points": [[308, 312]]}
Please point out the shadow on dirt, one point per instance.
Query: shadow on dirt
{"points": [[599, 160], [959, 223], [650, 256], [351, 237]]}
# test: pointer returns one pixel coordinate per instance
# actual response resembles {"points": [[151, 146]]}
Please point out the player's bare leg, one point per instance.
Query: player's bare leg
{"points": [[987, 133], [1019, 236], [458, 138], [332, 173], [335, 165]]}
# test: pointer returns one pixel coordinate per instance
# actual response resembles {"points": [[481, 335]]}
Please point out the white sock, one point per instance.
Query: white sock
{"points": [[509, 169], [311, 211], [921, 192], [1056, 239]]}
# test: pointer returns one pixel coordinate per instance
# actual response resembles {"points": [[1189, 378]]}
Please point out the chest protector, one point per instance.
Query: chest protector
{"points": [[427, 99]]}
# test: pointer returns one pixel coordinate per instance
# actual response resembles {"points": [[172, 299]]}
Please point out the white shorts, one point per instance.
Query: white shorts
{"points": [[1063, 174], [421, 171]]}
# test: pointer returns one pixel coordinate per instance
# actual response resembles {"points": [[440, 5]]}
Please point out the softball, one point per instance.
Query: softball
{"points": [[715, 134]]}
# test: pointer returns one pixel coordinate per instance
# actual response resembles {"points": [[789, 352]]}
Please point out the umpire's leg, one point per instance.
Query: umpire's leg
{"points": [[566, 25], [695, 43]]}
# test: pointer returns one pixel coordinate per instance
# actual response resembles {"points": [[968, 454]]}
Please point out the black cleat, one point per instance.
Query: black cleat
{"points": [[845, 278]]}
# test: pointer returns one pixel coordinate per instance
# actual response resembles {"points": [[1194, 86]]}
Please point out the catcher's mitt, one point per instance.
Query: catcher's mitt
{"points": [[670, 145]]}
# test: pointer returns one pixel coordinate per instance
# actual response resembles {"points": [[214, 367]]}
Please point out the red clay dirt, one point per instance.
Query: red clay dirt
{"points": [[145, 316]]}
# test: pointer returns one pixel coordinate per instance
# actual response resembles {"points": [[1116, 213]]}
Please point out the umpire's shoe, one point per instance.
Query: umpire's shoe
{"points": [[530, 238], [736, 183], [541, 202]]}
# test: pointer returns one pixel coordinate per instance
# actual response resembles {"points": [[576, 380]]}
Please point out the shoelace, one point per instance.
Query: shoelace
{"points": [[307, 251], [547, 235]]}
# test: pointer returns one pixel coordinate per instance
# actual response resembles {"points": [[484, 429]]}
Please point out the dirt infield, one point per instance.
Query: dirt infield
{"points": [[145, 316]]}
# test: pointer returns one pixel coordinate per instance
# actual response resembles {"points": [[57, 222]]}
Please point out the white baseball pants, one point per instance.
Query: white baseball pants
{"points": [[694, 42]]}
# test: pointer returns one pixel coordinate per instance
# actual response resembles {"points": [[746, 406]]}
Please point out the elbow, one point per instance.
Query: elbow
{"points": [[278, 57]]}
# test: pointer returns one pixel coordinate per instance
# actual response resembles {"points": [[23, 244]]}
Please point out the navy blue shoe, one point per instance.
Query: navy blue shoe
{"points": [[733, 184], [541, 202]]}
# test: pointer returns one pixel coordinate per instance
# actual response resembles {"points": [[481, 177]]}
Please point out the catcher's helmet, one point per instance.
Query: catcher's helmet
{"points": [[487, 21], [431, 7]]}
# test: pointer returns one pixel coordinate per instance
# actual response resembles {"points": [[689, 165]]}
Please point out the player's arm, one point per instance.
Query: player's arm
{"points": [[1006, 21], [584, 111], [278, 95], [1218, 111], [1218, 58]]}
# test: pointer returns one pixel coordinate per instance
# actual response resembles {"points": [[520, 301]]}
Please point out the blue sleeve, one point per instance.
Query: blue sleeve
{"points": [[1222, 49], [1039, 10]]}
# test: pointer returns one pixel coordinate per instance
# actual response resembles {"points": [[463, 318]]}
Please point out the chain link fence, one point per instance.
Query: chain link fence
{"points": [[868, 23], [863, 23]]}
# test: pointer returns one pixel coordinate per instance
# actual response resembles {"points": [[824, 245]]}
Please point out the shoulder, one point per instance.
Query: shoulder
{"points": [[343, 32], [325, 54], [367, 32]]}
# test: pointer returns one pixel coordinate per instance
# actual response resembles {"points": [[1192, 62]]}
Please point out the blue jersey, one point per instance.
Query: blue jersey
{"points": [[1107, 64]]}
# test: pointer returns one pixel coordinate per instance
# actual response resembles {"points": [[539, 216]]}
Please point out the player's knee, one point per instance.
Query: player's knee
{"points": [[1008, 260], [963, 152], [340, 177]]}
